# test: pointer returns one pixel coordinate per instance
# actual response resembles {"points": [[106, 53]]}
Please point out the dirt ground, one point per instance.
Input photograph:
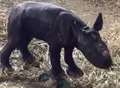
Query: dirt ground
{"points": [[93, 77]]}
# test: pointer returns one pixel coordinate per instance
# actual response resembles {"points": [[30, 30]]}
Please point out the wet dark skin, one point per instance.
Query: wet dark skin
{"points": [[58, 27]]}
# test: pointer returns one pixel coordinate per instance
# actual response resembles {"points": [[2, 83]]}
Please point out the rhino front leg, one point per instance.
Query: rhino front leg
{"points": [[57, 70], [73, 69]]}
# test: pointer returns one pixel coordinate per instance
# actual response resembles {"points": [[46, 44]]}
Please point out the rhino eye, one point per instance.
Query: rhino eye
{"points": [[86, 28]]}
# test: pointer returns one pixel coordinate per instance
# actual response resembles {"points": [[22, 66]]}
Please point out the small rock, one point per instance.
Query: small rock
{"points": [[44, 77]]}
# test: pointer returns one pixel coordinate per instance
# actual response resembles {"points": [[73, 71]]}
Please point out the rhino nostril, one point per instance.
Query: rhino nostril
{"points": [[105, 53]]}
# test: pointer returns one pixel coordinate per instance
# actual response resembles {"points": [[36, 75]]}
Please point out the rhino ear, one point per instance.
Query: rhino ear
{"points": [[98, 23]]}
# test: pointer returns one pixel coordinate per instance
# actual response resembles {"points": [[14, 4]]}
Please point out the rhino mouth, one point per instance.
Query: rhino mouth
{"points": [[100, 62]]}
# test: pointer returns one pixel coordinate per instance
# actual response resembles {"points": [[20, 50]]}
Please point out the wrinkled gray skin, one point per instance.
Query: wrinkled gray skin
{"points": [[58, 27]]}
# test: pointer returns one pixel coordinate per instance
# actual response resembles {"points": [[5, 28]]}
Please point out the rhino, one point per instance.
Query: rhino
{"points": [[59, 28]]}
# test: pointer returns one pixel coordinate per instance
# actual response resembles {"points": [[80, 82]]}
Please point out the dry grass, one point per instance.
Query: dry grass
{"points": [[93, 77]]}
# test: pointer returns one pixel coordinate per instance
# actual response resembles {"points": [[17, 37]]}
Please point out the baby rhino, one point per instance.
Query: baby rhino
{"points": [[58, 27]]}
